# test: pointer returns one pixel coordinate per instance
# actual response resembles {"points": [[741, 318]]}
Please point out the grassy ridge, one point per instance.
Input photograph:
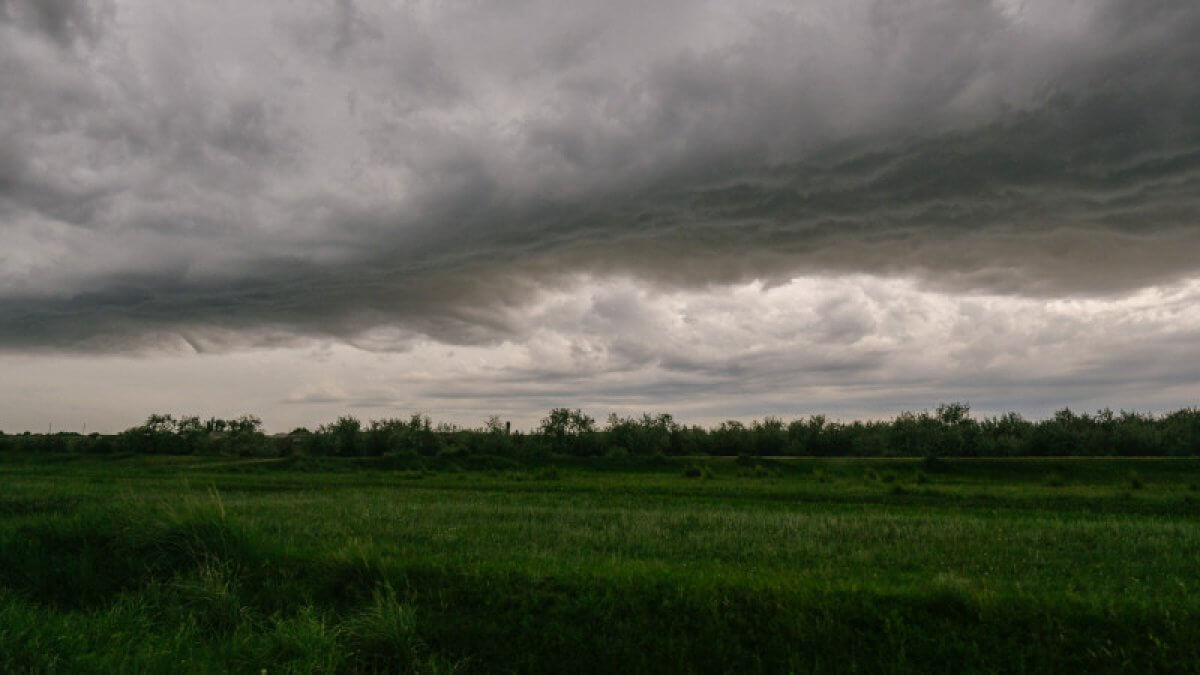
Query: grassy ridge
{"points": [[209, 565]]}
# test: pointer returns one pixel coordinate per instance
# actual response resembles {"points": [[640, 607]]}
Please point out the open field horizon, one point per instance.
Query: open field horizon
{"points": [[567, 336], [211, 564]]}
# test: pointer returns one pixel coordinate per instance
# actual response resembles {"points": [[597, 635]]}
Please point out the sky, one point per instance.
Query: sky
{"points": [[305, 209]]}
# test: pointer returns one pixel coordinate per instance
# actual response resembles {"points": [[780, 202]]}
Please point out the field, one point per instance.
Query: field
{"points": [[169, 564]]}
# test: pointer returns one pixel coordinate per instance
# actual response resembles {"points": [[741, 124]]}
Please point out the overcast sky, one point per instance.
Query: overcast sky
{"points": [[304, 208]]}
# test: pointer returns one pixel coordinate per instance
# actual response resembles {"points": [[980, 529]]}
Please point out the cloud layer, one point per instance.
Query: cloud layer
{"points": [[849, 346], [215, 175]]}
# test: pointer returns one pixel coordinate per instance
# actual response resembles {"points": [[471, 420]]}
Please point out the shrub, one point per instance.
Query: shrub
{"points": [[383, 637]]}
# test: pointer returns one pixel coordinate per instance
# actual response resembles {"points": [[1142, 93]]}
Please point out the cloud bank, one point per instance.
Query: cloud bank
{"points": [[848, 346], [217, 175]]}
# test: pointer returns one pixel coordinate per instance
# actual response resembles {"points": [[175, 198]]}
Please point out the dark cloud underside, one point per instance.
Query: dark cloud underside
{"points": [[216, 175]]}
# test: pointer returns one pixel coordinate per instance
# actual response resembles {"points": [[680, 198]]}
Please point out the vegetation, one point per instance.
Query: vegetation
{"points": [[949, 431], [466, 563]]}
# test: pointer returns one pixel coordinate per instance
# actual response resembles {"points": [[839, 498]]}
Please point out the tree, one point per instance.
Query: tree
{"points": [[344, 435], [953, 413], [562, 424]]}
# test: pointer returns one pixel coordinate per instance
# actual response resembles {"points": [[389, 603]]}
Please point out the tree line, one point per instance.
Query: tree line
{"points": [[948, 431]]}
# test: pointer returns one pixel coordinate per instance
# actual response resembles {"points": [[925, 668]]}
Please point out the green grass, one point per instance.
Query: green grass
{"points": [[692, 565]]}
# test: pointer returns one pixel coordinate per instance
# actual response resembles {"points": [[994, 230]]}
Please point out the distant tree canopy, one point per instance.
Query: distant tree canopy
{"points": [[948, 431]]}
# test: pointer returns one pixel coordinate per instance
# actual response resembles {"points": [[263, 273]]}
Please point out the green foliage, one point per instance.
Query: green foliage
{"points": [[383, 636], [949, 431], [547, 473], [312, 564]]}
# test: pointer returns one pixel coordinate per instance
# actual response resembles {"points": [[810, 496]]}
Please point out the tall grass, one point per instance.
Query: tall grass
{"points": [[147, 565]]}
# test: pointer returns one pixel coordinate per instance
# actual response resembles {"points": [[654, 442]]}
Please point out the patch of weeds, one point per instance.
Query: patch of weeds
{"points": [[28, 506], [305, 642], [547, 473], [209, 598], [383, 637], [759, 471]]}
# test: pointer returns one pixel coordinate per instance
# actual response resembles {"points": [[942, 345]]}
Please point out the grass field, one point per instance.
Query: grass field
{"points": [[215, 564]]}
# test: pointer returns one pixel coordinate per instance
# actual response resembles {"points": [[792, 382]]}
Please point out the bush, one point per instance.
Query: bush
{"points": [[383, 637]]}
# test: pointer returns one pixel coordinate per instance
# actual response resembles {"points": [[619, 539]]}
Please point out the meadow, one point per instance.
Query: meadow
{"points": [[147, 563]]}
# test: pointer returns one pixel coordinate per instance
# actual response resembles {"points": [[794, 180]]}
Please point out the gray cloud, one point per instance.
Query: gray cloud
{"points": [[63, 21], [739, 351], [217, 175]]}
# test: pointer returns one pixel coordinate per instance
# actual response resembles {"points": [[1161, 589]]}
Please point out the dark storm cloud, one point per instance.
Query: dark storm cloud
{"points": [[64, 21], [208, 175]]}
